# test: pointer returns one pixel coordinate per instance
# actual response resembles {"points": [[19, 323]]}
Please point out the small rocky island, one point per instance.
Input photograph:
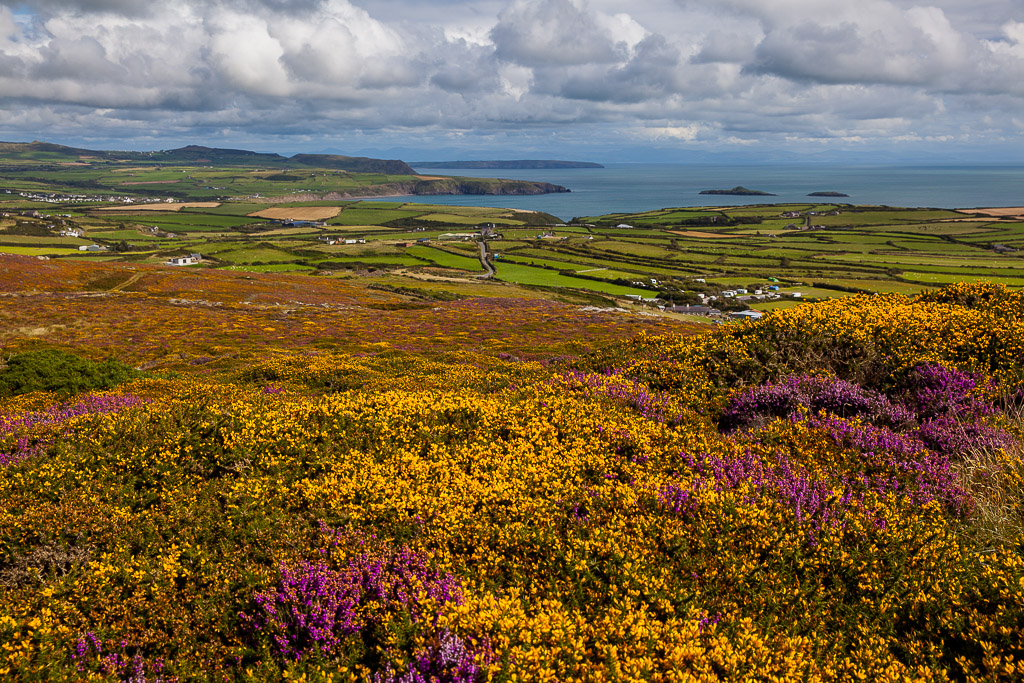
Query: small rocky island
{"points": [[827, 194], [740, 191]]}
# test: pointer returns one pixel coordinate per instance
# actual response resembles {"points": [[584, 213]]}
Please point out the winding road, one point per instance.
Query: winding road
{"points": [[484, 262]]}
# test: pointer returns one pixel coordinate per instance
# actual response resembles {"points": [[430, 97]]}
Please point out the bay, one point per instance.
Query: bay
{"points": [[629, 188]]}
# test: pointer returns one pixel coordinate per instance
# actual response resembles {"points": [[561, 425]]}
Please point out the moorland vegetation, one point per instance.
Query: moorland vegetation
{"points": [[317, 480]]}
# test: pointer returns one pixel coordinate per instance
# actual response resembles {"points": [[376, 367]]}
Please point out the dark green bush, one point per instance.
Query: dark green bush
{"points": [[61, 372]]}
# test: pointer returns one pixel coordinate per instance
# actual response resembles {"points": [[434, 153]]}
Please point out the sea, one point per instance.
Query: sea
{"points": [[636, 187]]}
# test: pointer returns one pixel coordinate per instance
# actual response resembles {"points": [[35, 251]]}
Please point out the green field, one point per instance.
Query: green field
{"points": [[446, 259], [526, 275], [370, 216], [838, 250]]}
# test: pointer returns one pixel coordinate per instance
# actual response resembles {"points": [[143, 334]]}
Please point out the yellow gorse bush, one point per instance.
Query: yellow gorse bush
{"points": [[598, 524]]}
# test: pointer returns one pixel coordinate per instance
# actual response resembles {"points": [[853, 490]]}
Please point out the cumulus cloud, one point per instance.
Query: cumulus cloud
{"points": [[554, 33], [679, 71]]}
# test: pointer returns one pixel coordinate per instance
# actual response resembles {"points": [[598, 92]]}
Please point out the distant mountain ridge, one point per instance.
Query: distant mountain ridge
{"points": [[506, 165], [45, 152]]}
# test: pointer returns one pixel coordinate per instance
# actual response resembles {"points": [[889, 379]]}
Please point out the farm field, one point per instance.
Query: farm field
{"points": [[285, 476], [665, 254]]}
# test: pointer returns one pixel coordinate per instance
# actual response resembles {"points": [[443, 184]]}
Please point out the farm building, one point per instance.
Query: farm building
{"points": [[695, 310], [289, 223], [189, 260], [746, 315]]}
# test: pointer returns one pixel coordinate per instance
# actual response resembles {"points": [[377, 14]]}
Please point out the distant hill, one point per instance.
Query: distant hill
{"points": [[192, 155], [505, 165], [355, 164], [199, 173]]}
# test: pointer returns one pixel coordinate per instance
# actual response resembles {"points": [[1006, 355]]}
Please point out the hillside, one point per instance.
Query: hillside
{"points": [[305, 477], [197, 173], [43, 152]]}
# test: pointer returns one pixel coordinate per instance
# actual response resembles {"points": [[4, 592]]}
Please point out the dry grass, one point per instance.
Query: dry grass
{"points": [[1012, 211], [50, 559], [304, 213], [995, 481]]}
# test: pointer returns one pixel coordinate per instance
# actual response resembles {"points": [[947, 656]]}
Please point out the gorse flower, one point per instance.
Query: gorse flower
{"points": [[829, 493]]}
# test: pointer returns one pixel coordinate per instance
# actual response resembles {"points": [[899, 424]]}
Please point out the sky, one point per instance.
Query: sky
{"points": [[601, 80]]}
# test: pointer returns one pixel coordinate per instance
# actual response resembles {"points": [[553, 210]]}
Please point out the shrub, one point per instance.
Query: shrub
{"points": [[758, 405], [60, 372]]}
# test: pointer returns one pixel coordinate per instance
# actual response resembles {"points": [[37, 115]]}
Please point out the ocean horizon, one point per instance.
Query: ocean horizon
{"points": [[636, 187]]}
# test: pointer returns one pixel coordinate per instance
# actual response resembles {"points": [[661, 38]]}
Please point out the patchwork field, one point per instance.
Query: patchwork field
{"points": [[677, 256]]}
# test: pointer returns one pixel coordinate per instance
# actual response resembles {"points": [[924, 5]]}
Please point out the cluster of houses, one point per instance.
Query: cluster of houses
{"points": [[690, 309], [155, 230], [60, 198], [797, 214], [772, 292], [807, 219], [331, 241], [486, 231], [709, 311]]}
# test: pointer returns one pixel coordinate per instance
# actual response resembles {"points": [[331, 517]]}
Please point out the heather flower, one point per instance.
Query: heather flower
{"points": [[35, 429], [89, 656], [759, 405], [934, 390], [682, 500], [451, 660], [953, 437], [655, 406], [316, 606]]}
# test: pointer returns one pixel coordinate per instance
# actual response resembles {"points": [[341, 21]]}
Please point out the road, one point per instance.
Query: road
{"points": [[484, 262]]}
